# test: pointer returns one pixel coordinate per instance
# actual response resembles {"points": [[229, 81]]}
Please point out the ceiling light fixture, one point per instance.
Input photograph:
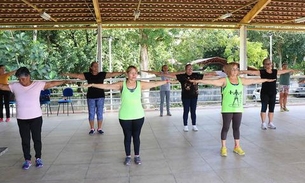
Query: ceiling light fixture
{"points": [[227, 15], [299, 20], [45, 16]]}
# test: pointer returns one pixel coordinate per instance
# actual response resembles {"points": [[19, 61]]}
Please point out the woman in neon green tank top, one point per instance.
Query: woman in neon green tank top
{"points": [[131, 114], [232, 103]]}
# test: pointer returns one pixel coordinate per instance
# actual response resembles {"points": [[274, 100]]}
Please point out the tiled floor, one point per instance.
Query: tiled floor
{"points": [[169, 155]]}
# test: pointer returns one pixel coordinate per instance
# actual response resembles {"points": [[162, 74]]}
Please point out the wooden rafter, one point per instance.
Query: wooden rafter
{"points": [[259, 6], [97, 11]]}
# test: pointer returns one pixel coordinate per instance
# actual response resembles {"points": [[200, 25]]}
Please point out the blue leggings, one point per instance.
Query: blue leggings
{"points": [[189, 105]]}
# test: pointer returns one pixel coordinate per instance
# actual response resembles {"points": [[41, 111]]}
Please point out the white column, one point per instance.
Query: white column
{"points": [[99, 46], [243, 62]]}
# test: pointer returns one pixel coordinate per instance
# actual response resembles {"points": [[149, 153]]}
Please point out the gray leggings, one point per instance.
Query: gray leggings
{"points": [[164, 94], [236, 121]]}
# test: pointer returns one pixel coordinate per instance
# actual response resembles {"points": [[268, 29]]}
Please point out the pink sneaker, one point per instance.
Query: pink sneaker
{"points": [[1, 119], [7, 120]]}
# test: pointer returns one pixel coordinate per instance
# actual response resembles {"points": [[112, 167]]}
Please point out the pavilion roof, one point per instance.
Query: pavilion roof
{"points": [[85, 14]]}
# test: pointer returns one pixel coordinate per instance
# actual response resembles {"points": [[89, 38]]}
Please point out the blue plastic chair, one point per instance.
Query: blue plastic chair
{"points": [[45, 99], [67, 94]]}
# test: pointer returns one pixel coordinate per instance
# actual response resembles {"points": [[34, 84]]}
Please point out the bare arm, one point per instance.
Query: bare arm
{"points": [[75, 75], [51, 84], [249, 81], [279, 72], [215, 82], [4, 87], [147, 85], [172, 74], [256, 73], [114, 86], [113, 74], [153, 72], [11, 73]]}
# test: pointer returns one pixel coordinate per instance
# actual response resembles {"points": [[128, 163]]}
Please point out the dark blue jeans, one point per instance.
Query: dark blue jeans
{"points": [[189, 105]]}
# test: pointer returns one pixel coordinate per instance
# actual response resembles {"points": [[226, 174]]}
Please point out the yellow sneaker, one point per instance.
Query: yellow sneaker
{"points": [[239, 151], [223, 152]]}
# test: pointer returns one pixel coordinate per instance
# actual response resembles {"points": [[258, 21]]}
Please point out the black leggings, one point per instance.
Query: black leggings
{"points": [[132, 128], [26, 127], [236, 121], [268, 99], [5, 97]]}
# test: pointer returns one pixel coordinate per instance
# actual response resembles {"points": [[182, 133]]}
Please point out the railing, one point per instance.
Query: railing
{"points": [[151, 98]]}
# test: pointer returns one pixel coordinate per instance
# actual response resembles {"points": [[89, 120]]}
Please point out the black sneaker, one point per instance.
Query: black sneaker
{"points": [[92, 131], [100, 131], [127, 161], [137, 160]]}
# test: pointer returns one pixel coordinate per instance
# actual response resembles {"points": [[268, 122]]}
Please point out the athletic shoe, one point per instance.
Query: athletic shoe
{"points": [[282, 109], [26, 165], [1, 119], [92, 131], [169, 114], [39, 163], [223, 152], [271, 126], [186, 128], [195, 129], [100, 131], [264, 126], [239, 151], [7, 120], [285, 109], [137, 160], [127, 161]]}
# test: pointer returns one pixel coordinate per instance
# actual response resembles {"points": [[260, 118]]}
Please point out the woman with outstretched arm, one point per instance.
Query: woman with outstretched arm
{"points": [[131, 113], [164, 89], [232, 103], [95, 96], [268, 91]]}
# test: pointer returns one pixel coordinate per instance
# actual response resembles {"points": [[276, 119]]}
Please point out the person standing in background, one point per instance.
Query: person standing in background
{"points": [[5, 95], [189, 94], [95, 96], [164, 89], [284, 83]]}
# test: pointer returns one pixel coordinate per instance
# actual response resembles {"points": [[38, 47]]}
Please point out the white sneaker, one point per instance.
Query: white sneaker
{"points": [[186, 128], [264, 126], [271, 126], [195, 129]]}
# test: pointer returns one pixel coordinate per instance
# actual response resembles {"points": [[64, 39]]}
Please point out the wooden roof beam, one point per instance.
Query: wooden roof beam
{"points": [[97, 11], [40, 11], [259, 6]]}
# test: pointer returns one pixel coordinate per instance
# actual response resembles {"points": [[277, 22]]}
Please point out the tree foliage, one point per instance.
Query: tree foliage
{"points": [[55, 52]]}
